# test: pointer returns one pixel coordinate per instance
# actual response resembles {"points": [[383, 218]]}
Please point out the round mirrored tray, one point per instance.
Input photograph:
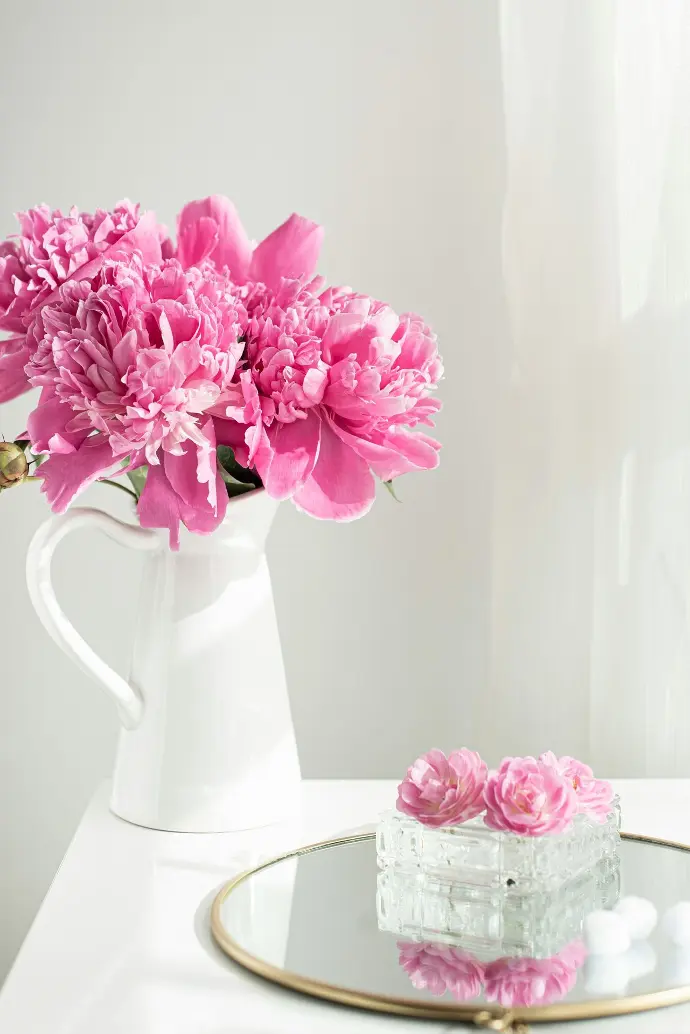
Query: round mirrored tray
{"points": [[325, 921]]}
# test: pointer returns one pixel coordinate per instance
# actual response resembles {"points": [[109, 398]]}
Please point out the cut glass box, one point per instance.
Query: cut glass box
{"points": [[477, 856], [490, 922]]}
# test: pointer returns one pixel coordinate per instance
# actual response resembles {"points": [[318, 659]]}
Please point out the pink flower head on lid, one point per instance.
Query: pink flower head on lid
{"points": [[438, 968], [594, 796], [525, 982], [529, 797], [443, 791], [52, 248]]}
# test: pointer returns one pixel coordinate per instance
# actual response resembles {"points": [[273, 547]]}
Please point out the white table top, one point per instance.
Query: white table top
{"points": [[121, 943]]}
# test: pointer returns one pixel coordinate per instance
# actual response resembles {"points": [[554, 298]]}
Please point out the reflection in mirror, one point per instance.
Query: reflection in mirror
{"points": [[332, 918], [508, 981]]}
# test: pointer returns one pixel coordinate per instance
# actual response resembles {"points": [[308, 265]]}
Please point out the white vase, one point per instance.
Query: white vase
{"points": [[207, 743]]}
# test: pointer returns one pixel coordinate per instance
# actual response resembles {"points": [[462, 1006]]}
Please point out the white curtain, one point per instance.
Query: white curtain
{"points": [[590, 578]]}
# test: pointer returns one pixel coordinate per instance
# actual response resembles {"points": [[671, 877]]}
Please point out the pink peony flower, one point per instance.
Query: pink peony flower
{"points": [[50, 249], [334, 384], [529, 798], [594, 796], [438, 968], [130, 363], [525, 982], [443, 791], [145, 359]]}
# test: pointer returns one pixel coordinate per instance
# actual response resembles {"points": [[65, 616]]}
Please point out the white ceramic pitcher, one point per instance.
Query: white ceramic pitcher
{"points": [[208, 743]]}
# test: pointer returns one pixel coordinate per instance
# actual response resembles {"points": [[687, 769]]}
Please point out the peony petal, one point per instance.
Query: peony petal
{"points": [[66, 475], [342, 328], [207, 464], [50, 419], [295, 449], [385, 462], [292, 250], [233, 248], [341, 486], [195, 510], [205, 520], [144, 238], [196, 241], [58, 445], [181, 471], [229, 432], [259, 449], [417, 448], [14, 355], [159, 505], [314, 384]]}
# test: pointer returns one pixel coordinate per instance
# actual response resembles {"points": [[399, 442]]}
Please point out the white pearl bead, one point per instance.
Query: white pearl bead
{"points": [[676, 923], [639, 916], [605, 933]]}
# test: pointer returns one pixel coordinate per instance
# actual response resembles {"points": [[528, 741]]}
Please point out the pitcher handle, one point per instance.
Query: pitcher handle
{"points": [[128, 699]]}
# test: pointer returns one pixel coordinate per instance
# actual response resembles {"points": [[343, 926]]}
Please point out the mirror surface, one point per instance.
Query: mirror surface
{"points": [[330, 916]]}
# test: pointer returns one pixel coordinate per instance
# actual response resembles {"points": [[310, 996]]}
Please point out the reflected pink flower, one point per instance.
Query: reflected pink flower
{"points": [[529, 798], [594, 796], [443, 791], [525, 982], [438, 968]]}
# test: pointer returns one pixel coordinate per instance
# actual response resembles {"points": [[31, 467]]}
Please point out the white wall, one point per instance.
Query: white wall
{"points": [[511, 226]]}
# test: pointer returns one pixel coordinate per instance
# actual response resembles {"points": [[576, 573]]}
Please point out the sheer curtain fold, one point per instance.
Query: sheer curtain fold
{"points": [[589, 650]]}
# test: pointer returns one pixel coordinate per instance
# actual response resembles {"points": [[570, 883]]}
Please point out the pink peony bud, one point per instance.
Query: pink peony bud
{"points": [[443, 791], [529, 797], [14, 467]]}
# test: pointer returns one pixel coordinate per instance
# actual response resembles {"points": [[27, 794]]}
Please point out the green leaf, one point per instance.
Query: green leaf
{"points": [[234, 488], [389, 486], [23, 443], [229, 465], [138, 479]]}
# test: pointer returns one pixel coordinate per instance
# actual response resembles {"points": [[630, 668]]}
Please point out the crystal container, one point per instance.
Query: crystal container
{"points": [[490, 922], [474, 855]]}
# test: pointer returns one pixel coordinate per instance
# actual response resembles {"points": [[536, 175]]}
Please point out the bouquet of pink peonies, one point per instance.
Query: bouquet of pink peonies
{"points": [[207, 369]]}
